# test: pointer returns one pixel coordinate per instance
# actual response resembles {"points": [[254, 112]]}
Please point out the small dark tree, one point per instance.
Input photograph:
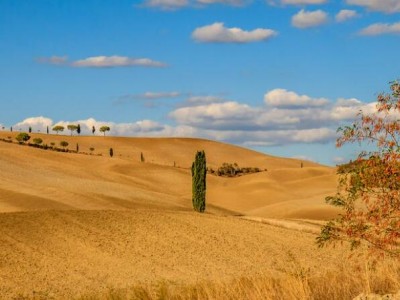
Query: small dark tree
{"points": [[58, 128], [64, 144], [11, 128], [30, 129], [199, 172], [22, 137], [47, 129], [91, 149], [78, 129], [111, 152], [141, 157], [103, 129], [93, 129], [77, 147], [72, 128]]}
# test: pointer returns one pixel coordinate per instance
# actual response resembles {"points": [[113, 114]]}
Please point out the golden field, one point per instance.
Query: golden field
{"points": [[76, 226]]}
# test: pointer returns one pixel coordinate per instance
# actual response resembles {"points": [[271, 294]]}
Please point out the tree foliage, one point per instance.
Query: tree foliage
{"points": [[37, 141], [369, 188], [199, 172], [64, 144], [23, 137], [111, 152], [58, 128], [104, 129], [72, 128]]}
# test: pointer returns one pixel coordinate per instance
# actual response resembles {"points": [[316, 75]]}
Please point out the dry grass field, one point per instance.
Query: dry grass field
{"points": [[76, 226]]}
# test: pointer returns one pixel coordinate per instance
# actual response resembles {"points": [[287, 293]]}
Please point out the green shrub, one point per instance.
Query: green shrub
{"points": [[64, 144], [37, 141], [22, 137], [233, 170]]}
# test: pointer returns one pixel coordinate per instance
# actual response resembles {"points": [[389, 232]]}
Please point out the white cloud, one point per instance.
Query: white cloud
{"points": [[103, 62], [201, 100], [381, 28], [345, 14], [147, 96], [307, 19], [351, 102], [286, 118], [218, 33], [215, 115], [37, 124], [166, 4], [54, 60], [115, 61], [159, 95], [387, 6], [347, 109], [284, 98]]}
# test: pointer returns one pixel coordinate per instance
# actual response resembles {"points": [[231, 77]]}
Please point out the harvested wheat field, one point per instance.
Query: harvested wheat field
{"points": [[81, 225]]}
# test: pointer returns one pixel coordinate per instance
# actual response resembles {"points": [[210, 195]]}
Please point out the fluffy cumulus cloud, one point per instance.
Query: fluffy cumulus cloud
{"points": [[139, 128], [218, 33], [284, 98], [387, 6], [345, 14], [307, 19], [103, 62], [38, 124], [381, 28], [232, 115], [285, 117]]}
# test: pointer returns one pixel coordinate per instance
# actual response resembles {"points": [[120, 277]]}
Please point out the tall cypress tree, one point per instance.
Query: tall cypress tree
{"points": [[199, 172]]}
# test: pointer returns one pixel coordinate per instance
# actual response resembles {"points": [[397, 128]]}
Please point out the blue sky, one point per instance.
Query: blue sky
{"points": [[276, 76]]}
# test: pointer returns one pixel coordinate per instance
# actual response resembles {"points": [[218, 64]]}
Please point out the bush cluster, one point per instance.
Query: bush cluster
{"points": [[233, 170]]}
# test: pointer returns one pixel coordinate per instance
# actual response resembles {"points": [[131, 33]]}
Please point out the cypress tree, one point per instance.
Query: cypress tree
{"points": [[141, 157], [47, 129], [111, 152], [78, 129], [199, 171]]}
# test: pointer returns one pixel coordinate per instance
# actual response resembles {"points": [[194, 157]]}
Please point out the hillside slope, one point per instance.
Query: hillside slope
{"points": [[35, 179]]}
